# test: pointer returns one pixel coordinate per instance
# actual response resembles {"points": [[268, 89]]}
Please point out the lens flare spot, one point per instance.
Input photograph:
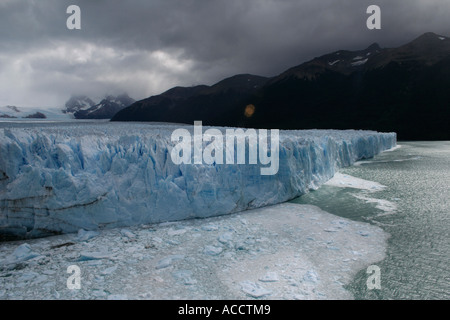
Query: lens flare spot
{"points": [[249, 110]]}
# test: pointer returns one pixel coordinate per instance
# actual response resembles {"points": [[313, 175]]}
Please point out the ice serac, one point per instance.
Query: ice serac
{"points": [[59, 179]]}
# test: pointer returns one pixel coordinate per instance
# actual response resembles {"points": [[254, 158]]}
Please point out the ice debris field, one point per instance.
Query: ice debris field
{"points": [[285, 251], [59, 178]]}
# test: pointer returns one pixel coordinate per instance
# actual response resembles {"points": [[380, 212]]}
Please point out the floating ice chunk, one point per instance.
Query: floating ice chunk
{"points": [[168, 261], [269, 277], [172, 242], [40, 278], [157, 239], [363, 233], [56, 294], [225, 238], [254, 289], [118, 297], [49, 272], [212, 250], [164, 263], [99, 293], [176, 232], [127, 233], [24, 253], [241, 246], [311, 276], [381, 204], [347, 181], [394, 148], [109, 270], [86, 256], [84, 235], [28, 276], [185, 276], [210, 227]]}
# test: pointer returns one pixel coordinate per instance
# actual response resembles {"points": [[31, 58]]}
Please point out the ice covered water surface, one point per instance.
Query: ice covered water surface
{"points": [[60, 178], [303, 253]]}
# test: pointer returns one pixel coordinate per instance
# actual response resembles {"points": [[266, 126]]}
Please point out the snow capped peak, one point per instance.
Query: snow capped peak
{"points": [[77, 103], [333, 63], [106, 108], [359, 63], [122, 100], [13, 108]]}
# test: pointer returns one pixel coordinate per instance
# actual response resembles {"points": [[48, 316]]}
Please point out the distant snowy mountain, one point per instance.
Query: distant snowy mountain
{"points": [[77, 107], [83, 107], [78, 103], [13, 113]]}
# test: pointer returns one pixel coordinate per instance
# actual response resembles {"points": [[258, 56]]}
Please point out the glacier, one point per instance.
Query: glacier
{"points": [[60, 178]]}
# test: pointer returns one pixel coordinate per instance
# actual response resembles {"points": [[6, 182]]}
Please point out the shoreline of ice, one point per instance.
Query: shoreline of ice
{"points": [[285, 251], [62, 178]]}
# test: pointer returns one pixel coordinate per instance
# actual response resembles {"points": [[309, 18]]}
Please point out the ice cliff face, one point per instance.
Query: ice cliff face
{"points": [[61, 178]]}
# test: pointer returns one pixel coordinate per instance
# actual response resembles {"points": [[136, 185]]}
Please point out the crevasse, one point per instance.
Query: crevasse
{"points": [[62, 178]]}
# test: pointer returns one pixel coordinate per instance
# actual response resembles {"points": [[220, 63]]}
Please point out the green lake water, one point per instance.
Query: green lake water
{"points": [[414, 209]]}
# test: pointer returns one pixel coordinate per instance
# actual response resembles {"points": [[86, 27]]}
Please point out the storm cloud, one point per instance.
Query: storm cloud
{"points": [[144, 47]]}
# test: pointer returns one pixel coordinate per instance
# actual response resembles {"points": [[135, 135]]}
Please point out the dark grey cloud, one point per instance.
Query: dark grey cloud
{"points": [[147, 46]]}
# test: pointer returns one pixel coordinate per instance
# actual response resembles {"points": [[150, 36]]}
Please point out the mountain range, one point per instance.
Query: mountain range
{"points": [[14, 113], [403, 89], [83, 107]]}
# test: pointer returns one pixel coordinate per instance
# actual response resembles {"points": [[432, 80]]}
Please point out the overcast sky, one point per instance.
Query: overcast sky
{"points": [[144, 47]]}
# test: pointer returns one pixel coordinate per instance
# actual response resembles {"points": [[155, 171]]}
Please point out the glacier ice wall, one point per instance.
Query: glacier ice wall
{"points": [[61, 178]]}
